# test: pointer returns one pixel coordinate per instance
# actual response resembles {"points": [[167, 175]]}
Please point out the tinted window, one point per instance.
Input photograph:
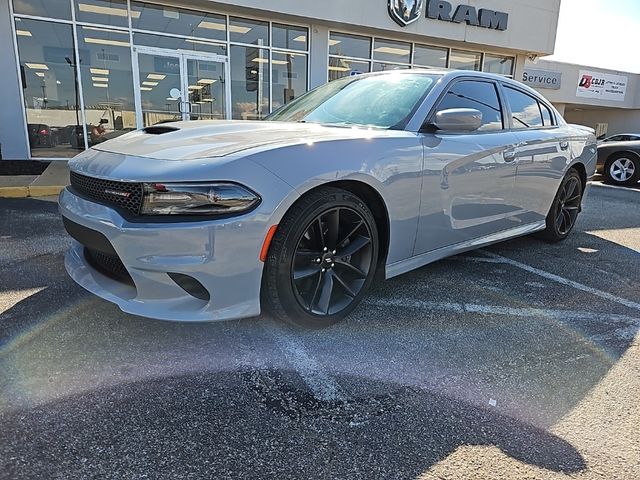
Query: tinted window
{"points": [[479, 96], [617, 138], [547, 116], [524, 108]]}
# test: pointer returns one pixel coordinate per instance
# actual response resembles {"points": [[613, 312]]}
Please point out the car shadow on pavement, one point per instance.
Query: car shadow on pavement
{"points": [[206, 425]]}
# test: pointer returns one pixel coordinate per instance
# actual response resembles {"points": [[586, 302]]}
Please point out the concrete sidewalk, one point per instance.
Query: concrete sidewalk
{"points": [[51, 182]]}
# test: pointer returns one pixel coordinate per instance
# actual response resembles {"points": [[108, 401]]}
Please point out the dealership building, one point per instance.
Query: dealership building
{"points": [[76, 72]]}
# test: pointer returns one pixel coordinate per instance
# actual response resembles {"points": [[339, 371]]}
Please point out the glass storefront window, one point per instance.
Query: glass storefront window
{"points": [[498, 64], [104, 12], [174, 43], [107, 83], [178, 21], [249, 82], [392, 51], [435, 57], [385, 67], [242, 30], [461, 60], [349, 45], [50, 88], [289, 37], [44, 8], [289, 74], [345, 67]]}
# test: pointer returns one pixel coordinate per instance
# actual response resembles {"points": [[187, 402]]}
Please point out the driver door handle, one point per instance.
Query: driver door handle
{"points": [[564, 145], [510, 154]]}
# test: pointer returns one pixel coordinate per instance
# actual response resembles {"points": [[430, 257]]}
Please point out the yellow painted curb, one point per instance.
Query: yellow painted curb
{"points": [[35, 191], [14, 192]]}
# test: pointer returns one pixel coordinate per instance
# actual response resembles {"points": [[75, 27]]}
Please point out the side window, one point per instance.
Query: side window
{"points": [[615, 138], [524, 108], [481, 96], [547, 116]]}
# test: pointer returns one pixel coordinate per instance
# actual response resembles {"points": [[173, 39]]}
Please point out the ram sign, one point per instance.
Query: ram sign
{"points": [[604, 86]]}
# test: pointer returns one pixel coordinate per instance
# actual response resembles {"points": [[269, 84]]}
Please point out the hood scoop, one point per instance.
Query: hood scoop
{"points": [[159, 129]]}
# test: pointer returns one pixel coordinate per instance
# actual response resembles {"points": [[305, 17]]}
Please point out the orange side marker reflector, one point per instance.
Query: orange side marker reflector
{"points": [[267, 242]]}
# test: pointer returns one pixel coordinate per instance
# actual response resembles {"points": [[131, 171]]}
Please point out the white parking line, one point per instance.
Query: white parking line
{"points": [[502, 310], [323, 386], [564, 281]]}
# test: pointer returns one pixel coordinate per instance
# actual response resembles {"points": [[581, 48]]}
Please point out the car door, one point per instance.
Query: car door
{"points": [[469, 177], [544, 151]]}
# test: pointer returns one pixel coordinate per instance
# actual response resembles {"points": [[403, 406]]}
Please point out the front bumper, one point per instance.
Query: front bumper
{"points": [[222, 255]]}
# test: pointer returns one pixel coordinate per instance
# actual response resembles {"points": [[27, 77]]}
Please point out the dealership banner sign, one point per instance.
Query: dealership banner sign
{"points": [[604, 86]]}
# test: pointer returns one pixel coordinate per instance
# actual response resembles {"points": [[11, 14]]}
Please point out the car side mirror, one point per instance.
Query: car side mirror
{"points": [[457, 120]]}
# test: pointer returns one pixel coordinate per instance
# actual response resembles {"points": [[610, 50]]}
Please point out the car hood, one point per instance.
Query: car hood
{"points": [[207, 139]]}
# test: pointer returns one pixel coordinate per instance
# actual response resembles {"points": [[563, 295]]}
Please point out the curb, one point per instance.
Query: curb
{"points": [[31, 191]]}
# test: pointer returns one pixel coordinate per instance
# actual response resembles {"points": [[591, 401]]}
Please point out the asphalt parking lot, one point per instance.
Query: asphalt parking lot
{"points": [[517, 361]]}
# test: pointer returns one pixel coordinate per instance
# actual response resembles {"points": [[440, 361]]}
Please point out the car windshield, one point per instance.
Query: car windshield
{"points": [[381, 101]]}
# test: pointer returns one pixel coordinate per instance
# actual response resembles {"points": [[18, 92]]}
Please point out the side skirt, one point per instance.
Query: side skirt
{"points": [[404, 266]]}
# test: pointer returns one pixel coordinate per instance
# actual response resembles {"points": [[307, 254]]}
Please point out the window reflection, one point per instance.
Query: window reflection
{"points": [[242, 30], [289, 77], [460, 60], [431, 56], [50, 89], [498, 64], [178, 21], [385, 67], [344, 67], [392, 51], [349, 45], [107, 83], [104, 12], [43, 8], [289, 37], [249, 82], [174, 43]]}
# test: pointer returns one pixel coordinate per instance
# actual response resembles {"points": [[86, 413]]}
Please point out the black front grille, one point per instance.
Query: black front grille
{"points": [[108, 265], [124, 196]]}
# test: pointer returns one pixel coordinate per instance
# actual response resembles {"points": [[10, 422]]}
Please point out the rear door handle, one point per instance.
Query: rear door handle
{"points": [[564, 145]]}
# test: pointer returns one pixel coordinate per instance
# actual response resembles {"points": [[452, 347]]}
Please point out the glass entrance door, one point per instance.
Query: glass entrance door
{"points": [[176, 85]]}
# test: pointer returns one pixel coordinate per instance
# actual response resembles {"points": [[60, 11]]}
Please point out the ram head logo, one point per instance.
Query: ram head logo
{"points": [[405, 12]]}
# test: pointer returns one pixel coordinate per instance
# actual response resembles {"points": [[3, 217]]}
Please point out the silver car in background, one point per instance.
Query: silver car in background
{"points": [[203, 221]]}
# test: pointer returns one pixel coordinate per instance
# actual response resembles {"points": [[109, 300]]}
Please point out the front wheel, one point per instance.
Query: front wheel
{"points": [[322, 259], [565, 208]]}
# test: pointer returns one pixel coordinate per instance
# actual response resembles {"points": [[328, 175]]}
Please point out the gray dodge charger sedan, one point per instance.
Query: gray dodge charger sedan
{"points": [[215, 220]]}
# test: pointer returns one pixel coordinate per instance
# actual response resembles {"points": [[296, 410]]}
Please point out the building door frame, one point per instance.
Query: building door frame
{"points": [[183, 57]]}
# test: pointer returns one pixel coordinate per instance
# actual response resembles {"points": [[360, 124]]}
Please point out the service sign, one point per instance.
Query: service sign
{"points": [[542, 78], [604, 86]]}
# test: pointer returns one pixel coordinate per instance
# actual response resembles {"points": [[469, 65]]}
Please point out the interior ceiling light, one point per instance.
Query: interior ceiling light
{"points": [[23, 33], [392, 51], [300, 38], [334, 42], [221, 27], [37, 66], [280, 62], [40, 74], [339, 69], [260, 60], [150, 84], [99, 71], [239, 29], [100, 79], [104, 41], [195, 87], [58, 82], [156, 76], [101, 85], [146, 89], [207, 81], [115, 12]]}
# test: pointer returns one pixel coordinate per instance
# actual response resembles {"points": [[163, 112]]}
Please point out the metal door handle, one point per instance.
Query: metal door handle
{"points": [[564, 145], [509, 155]]}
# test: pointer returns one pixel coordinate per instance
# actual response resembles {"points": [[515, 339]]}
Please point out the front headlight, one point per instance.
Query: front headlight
{"points": [[205, 199]]}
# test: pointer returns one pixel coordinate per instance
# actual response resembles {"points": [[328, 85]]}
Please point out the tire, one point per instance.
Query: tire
{"points": [[622, 169], [568, 204], [301, 266]]}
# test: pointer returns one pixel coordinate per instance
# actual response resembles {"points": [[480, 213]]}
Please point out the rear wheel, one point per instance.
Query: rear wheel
{"points": [[565, 209], [322, 259], [622, 169]]}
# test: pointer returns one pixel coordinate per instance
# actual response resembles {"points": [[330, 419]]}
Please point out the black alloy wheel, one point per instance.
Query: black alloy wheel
{"points": [[332, 261], [565, 209], [322, 259]]}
